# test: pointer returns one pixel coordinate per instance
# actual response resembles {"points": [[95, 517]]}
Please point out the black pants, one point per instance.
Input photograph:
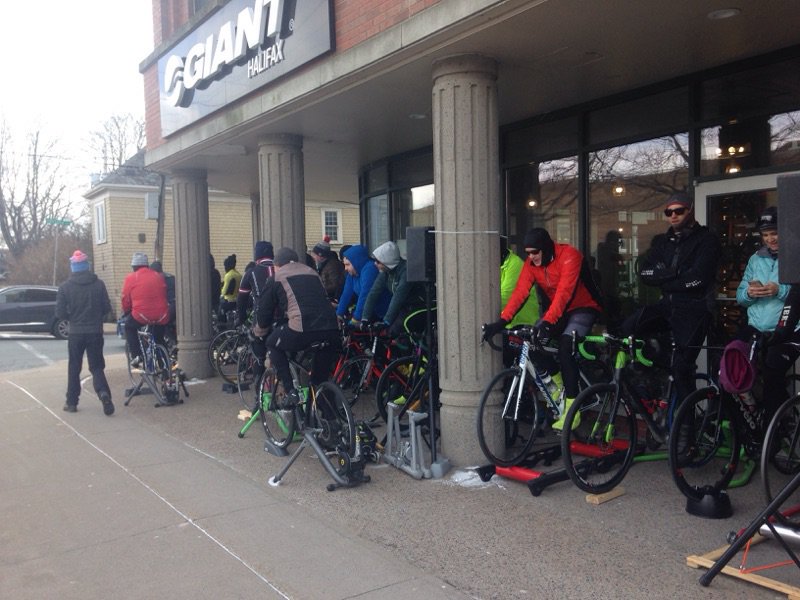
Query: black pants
{"points": [[689, 326], [282, 340], [132, 335], [92, 344]]}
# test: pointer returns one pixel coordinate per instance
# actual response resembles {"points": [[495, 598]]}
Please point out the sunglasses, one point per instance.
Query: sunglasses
{"points": [[677, 211], [532, 252]]}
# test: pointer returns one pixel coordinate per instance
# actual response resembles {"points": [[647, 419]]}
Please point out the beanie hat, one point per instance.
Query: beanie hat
{"points": [[388, 254], [322, 248], [263, 250], [284, 256], [681, 198], [768, 219], [736, 371], [139, 260], [78, 261], [539, 239]]}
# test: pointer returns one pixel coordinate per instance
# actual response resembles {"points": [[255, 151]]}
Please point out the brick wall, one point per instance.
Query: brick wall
{"points": [[358, 20]]}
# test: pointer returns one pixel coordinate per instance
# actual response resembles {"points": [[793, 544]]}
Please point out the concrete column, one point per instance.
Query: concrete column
{"points": [[192, 270], [280, 172], [467, 179]]}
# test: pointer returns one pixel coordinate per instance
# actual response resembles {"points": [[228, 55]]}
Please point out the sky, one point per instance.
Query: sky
{"points": [[67, 67]]}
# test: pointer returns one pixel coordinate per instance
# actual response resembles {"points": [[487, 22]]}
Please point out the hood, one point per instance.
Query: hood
{"points": [[540, 239], [83, 277], [388, 253], [358, 256]]}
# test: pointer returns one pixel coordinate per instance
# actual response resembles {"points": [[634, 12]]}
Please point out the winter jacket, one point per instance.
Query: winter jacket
{"points": [[684, 267], [252, 286], [509, 275], [404, 294], [230, 285], [331, 271], [83, 301], [295, 296], [144, 296], [356, 288], [564, 283], [762, 313]]}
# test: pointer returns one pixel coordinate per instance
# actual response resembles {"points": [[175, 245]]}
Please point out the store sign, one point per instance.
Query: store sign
{"points": [[240, 48]]}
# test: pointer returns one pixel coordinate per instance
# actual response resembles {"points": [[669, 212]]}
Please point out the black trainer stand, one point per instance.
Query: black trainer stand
{"points": [[536, 481], [764, 518], [349, 474]]}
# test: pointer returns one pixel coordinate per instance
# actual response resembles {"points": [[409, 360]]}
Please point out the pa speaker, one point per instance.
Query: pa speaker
{"points": [[789, 228], [420, 254]]}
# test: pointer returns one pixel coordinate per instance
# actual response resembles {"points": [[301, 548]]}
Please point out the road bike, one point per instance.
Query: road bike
{"points": [[159, 370], [518, 403]]}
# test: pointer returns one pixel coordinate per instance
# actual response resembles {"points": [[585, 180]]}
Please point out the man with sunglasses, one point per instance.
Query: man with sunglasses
{"points": [[683, 264], [569, 300]]}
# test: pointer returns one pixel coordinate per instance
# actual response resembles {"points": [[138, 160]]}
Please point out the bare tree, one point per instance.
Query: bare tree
{"points": [[119, 138], [32, 197]]}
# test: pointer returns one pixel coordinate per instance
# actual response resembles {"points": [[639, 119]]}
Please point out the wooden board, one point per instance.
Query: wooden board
{"points": [[600, 498]]}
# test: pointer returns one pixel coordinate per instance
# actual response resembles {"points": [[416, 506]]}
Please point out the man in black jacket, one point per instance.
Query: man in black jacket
{"points": [[295, 300], [83, 301], [683, 263]]}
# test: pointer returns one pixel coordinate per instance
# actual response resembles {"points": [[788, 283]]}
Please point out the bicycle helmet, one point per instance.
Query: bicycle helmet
{"points": [[736, 373]]}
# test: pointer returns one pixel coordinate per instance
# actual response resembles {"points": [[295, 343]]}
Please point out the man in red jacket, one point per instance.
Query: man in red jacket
{"points": [[569, 302], [144, 300]]}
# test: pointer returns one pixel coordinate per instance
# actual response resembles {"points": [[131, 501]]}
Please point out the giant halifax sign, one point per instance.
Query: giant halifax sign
{"points": [[238, 49]]}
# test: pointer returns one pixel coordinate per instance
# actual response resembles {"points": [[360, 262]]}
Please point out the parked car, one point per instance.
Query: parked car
{"points": [[31, 308]]}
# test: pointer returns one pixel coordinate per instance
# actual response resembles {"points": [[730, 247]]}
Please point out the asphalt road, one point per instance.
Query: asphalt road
{"points": [[19, 351]]}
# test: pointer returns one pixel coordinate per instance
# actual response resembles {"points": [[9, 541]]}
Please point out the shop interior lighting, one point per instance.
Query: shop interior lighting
{"points": [[618, 189], [724, 13]]}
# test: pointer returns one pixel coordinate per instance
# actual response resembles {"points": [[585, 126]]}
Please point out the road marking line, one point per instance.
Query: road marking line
{"points": [[133, 476], [43, 357]]}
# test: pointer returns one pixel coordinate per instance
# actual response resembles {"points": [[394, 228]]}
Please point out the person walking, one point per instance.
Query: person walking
{"points": [[83, 301]]}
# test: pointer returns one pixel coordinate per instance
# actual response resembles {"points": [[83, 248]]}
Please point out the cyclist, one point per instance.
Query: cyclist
{"points": [[330, 269], [683, 264], [361, 274], [144, 299], [296, 302], [569, 299], [251, 288]]}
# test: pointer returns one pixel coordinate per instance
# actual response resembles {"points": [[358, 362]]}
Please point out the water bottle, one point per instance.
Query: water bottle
{"points": [[550, 385]]}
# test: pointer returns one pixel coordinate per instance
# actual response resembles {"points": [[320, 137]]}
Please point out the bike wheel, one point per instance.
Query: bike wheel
{"points": [[598, 440], [215, 343], [355, 378], [507, 428], [165, 376], [397, 382], [279, 425], [780, 459], [329, 412], [228, 357], [703, 444], [245, 378]]}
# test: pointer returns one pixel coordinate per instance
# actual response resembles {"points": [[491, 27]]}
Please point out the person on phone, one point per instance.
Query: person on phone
{"points": [[764, 297]]}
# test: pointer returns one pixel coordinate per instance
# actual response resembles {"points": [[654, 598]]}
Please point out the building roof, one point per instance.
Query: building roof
{"points": [[132, 172]]}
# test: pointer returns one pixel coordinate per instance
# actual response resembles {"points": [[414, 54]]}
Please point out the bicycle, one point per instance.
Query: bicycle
{"points": [[515, 406], [321, 419], [602, 429], [159, 371]]}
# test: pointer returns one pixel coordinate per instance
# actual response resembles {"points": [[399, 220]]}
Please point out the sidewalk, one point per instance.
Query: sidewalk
{"points": [[170, 502]]}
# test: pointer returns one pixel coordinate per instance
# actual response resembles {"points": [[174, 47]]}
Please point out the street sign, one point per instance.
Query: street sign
{"points": [[64, 222]]}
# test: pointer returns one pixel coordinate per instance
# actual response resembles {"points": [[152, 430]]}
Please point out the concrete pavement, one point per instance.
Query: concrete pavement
{"points": [[170, 502]]}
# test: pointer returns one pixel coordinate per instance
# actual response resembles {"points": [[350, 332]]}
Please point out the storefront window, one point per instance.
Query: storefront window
{"points": [[628, 186], [377, 220], [543, 194]]}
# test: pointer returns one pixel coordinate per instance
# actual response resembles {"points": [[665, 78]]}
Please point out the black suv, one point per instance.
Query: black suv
{"points": [[31, 308]]}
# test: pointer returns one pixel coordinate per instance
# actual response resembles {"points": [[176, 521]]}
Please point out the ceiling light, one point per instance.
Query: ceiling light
{"points": [[724, 13], [417, 116]]}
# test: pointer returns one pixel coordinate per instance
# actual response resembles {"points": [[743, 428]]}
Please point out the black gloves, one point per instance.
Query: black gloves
{"points": [[544, 332], [492, 329]]}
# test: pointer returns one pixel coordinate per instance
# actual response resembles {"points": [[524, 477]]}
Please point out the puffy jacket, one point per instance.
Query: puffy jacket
{"points": [[762, 313], [83, 301], [684, 267], [144, 296], [509, 275], [360, 285], [561, 282]]}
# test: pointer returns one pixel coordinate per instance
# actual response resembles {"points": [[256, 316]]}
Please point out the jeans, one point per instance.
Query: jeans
{"points": [[92, 344]]}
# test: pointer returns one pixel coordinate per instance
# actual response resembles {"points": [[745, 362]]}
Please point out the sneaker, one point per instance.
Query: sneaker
{"points": [[136, 362], [558, 424], [290, 400], [70, 408], [108, 406]]}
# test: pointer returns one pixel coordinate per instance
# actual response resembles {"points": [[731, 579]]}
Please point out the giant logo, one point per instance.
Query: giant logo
{"points": [[205, 60]]}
